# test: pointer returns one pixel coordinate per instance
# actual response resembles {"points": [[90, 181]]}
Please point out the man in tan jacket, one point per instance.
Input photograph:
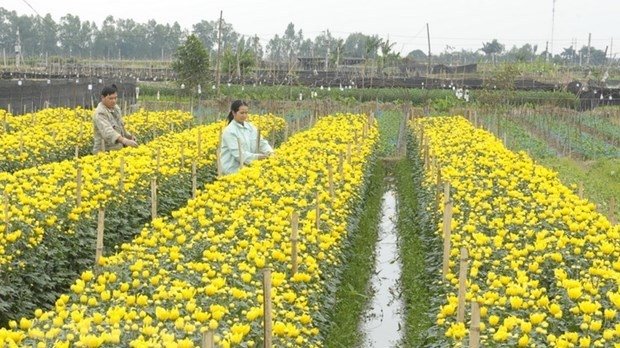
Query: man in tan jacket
{"points": [[109, 129]]}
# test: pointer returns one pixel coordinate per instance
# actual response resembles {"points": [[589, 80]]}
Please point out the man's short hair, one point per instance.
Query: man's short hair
{"points": [[107, 90]]}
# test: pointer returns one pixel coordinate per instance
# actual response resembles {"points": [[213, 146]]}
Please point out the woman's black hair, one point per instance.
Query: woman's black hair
{"points": [[234, 107], [107, 90]]}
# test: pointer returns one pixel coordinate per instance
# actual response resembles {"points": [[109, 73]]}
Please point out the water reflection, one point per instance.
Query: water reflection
{"points": [[383, 319]]}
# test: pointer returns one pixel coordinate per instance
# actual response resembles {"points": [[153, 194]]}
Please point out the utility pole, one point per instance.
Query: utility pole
{"points": [[18, 50], [552, 28], [219, 54], [428, 38], [589, 48]]}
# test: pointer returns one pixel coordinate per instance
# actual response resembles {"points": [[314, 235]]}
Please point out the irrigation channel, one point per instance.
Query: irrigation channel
{"points": [[384, 316]]}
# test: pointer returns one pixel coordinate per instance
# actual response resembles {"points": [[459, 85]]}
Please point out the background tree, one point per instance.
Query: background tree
{"points": [[417, 55], [237, 62], [568, 55], [386, 53], [355, 45], [191, 63], [597, 57], [492, 49], [525, 53]]}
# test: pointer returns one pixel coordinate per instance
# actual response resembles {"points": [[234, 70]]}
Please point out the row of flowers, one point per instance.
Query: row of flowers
{"points": [[52, 135], [13, 123], [201, 268], [543, 263], [47, 237]]}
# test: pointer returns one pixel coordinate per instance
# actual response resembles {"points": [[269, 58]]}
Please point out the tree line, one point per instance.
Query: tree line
{"points": [[118, 38]]}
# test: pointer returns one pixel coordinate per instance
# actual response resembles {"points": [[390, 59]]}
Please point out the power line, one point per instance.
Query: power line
{"points": [[35, 11]]}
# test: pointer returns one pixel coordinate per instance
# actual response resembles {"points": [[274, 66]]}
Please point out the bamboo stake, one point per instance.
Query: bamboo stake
{"points": [[158, 159], [285, 131], [100, 228], [21, 143], [294, 237], [194, 179], [427, 163], [460, 316], [199, 144], [207, 339], [330, 176], [438, 188], [121, 182], [318, 210], [182, 150], [241, 159], [5, 199], [612, 211], [77, 151], [78, 190], [581, 190], [341, 165], [154, 198], [447, 229], [218, 153], [474, 329], [349, 154], [267, 307]]}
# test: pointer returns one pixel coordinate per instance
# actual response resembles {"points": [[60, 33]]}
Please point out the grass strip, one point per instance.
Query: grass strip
{"points": [[351, 296]]}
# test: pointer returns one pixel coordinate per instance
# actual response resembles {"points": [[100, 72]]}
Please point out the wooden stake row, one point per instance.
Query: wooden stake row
{"points": [[447, 228], [6, 204]]}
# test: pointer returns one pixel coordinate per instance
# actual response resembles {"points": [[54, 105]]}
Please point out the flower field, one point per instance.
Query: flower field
{"points": [[184, 254], [52, 135], [201, 268], [543, 263], [47, 233]]}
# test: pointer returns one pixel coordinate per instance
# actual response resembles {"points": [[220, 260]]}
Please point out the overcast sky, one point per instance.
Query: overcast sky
{"points": [[457, 23]]}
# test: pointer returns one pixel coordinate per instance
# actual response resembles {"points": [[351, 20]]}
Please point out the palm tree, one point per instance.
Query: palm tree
{"points": [[386, 48], [371, 46], [492, 48]]}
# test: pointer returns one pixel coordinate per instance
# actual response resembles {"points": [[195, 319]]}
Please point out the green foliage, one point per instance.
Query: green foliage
{"points": [[351, 294], [191, 64], [389, 127], [506, 99], [417, 97], [600, 179], [505, 76], [239, 61], [443, 105], [68, 247], [420, 252]]}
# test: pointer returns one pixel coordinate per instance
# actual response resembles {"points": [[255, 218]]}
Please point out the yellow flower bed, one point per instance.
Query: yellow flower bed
{"points": [[37, 197], [201, 268], [54, 133], [544, 264], [46, 223], [15, 123]]}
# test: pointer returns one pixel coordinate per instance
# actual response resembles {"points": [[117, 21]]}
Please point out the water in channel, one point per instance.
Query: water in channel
{"points": [[382, 321]]}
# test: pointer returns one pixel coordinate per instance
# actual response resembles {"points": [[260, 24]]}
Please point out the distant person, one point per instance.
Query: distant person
{"points": [[109, 129], [240, 131]]}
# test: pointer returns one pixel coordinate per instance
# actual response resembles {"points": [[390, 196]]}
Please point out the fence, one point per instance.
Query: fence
{"points": [[22, 96]]}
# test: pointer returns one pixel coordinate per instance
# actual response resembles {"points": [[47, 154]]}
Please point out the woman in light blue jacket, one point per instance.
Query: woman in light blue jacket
{"points": [[240, 132]]}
